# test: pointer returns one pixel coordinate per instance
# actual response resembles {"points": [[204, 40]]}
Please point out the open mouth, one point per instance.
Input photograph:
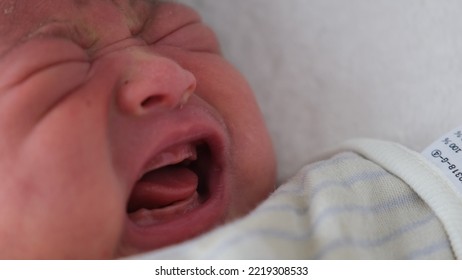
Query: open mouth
{"points": [[175, 182]]}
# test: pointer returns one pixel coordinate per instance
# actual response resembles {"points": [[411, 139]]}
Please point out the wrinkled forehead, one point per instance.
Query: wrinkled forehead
{"points": [[27, 10], [89, 19]]}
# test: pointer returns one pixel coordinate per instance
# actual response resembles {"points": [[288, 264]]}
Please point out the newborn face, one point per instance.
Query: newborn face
{"points": [[122, 130]]}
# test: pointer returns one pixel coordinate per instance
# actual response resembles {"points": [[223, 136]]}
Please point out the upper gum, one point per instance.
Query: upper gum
{"points": [[172, 155]]}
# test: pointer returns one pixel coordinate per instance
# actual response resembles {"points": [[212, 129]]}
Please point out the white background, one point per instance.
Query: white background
{"points": [[329, 70]]}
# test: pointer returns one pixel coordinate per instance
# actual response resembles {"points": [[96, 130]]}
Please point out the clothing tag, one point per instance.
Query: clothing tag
{"points": [[446, 154]]}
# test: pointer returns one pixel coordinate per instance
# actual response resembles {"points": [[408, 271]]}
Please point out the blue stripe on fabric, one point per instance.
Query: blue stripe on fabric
{"points": [[349, 182], [423, 253], [341, 158], [345, 183], [330, 212], [318, 165], [368, 243], [332, 184]]}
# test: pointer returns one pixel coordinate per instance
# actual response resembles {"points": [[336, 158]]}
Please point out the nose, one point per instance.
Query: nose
{"points": [[153, 84]]}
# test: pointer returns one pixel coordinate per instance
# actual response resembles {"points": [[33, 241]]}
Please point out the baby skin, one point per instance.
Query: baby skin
{"points": [[122, 130]]}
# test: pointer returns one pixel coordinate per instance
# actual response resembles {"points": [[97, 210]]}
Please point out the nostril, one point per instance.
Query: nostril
{"points": [[165, 100], [153, 101]]}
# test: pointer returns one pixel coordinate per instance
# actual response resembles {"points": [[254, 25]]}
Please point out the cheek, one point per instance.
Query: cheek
{"points": [[252, 152], [63, 200], [254, 160]]}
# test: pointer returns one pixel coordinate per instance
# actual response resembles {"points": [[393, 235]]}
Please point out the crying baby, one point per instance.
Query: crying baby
{"points": [[123, 130]]}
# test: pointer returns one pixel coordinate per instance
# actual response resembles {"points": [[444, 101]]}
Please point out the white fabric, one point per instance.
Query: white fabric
{"points": [[330, 70], [373, 200]]}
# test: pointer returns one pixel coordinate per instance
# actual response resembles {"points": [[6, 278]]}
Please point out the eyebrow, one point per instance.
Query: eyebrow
{"points": [[80, 3], [78, 32], [11, 4]]}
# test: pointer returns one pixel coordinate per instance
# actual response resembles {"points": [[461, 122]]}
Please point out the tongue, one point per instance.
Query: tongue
{"points": [[163, 187]]}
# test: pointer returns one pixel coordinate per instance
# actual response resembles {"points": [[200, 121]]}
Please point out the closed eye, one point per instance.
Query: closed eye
{"points": [[195, 37], [36, 56], [38, 75], [178, 26]]}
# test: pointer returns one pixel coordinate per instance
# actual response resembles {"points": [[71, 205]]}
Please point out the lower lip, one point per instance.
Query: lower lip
{"points": [[154, 217], [207, 215]]}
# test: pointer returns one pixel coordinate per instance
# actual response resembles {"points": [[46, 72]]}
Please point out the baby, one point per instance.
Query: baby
{"points": [[123, 130]]}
